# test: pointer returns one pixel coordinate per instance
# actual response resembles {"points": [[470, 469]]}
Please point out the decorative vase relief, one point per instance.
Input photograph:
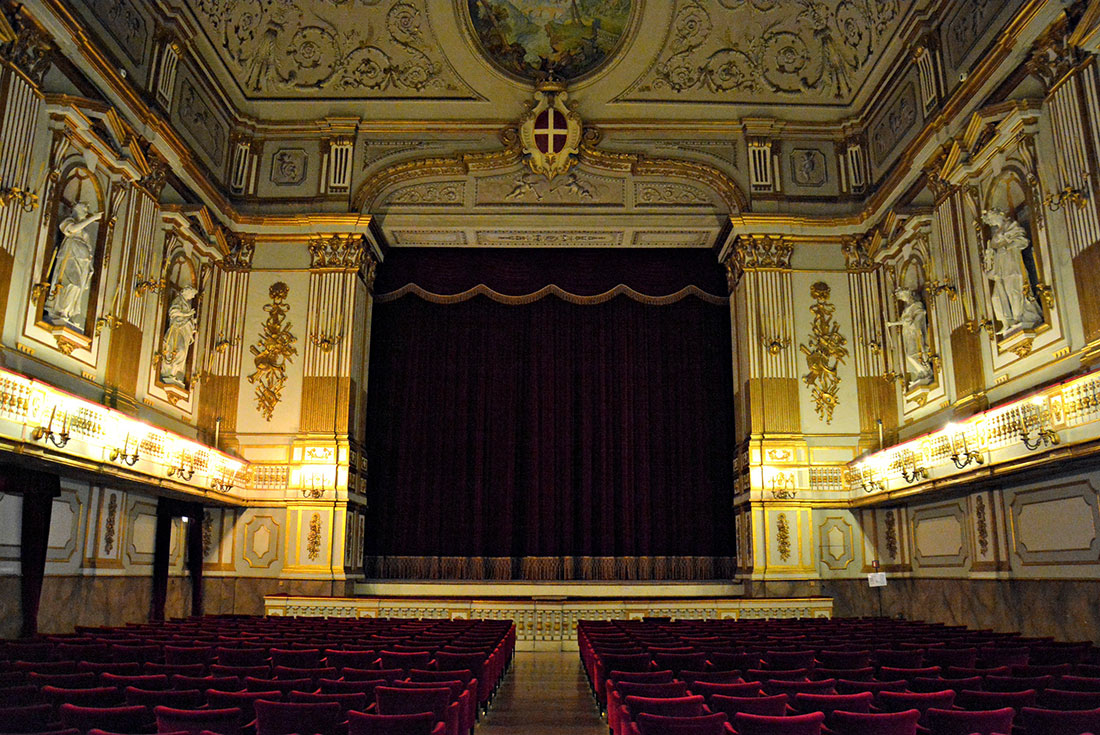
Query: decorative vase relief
{"points": [[783, 537], [272, 352], [824, 352]]}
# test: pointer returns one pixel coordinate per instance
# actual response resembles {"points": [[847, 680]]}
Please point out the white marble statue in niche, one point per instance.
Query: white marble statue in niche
{"points": [[178, 336], [913, 321], [71, 276], [1014, 306]]}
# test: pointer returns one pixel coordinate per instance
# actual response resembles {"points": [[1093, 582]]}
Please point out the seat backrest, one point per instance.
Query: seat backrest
{"points": [[362, 723], [225, 721], [711, 724], [284, 718], [1056, 722], [670, 706], [961, 722], [862, 723], [775, 706], [746, 724]]}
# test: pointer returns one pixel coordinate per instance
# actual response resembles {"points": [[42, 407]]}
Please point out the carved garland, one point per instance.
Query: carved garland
{"points": [[983, 525], [891, 535], [273, 350], [313, 540], [783, 537], [824, 352]]}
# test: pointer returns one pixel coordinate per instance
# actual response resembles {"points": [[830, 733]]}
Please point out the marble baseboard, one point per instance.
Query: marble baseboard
{"points": [[1064, 609]]}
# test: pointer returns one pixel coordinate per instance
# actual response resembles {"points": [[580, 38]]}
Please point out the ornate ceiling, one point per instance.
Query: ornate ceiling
{"points": [[758, 55]]}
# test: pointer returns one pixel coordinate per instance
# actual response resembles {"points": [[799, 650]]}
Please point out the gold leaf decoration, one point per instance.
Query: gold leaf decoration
{"points": [[274, 349], [824, 352], [313, 541], [783, 537]]}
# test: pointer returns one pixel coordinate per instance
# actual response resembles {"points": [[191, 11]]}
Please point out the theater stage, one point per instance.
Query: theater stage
{"points": [[546, 613]]}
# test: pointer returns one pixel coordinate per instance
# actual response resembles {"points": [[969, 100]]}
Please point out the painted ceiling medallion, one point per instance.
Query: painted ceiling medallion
{"points": [[550, 132], [537, 40]]}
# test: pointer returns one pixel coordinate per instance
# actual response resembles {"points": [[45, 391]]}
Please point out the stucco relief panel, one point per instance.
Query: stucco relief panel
{"points": [[329, 48], [769, 51]]}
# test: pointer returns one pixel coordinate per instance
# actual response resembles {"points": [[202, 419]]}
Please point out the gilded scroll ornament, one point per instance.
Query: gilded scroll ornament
{"points": [[783, 537], [824, 352], [274, 349]]}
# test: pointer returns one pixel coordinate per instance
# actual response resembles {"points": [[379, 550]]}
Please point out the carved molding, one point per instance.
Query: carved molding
{"points": [[344, 252]]}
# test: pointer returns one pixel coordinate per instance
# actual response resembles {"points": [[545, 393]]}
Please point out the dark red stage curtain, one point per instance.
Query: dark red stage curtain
{"points": [[552, 439]]}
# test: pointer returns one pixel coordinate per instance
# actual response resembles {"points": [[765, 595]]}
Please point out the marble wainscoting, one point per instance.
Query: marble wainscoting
{"points": [[245, 595], [11, 616], [1064, 609], [68, 601]]}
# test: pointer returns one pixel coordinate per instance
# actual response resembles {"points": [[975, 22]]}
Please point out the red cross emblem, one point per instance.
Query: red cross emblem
{"points": [[551, 131]]}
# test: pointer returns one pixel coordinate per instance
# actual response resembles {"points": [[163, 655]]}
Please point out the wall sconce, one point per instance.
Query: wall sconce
{"points": [[775, 345], [912, 471], [1033, 420], [25, 199], [868, 481], [182, 472], [123, 455], [46, 433], [967, 455], [1070, 194], [935, 288], [325, 342]]}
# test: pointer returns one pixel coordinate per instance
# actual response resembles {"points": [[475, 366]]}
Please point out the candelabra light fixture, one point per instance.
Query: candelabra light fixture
{"points": [[46, 433], [1070, 194], [911, 471], [182, 471], [124, 454], [1034, 433], [25, 199], [961, 453]]}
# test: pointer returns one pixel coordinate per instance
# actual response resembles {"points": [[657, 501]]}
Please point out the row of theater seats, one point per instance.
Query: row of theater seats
{"points": [[235, 675], [837, 677]]}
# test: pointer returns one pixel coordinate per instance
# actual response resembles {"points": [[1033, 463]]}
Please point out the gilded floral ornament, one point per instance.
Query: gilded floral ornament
{"points": [[274, 349], [824, 352], [783, 536]]}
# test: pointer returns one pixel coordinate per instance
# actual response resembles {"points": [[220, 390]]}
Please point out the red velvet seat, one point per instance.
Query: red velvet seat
{"points": [[303, 658], [1054, 698], [961, 722], [920, 701], [92, 697], [778, 686], [226, 721], [423, 723], [887, 723], [28, 718], [400, 701], [125, 719], [178, 698], [775, 706], [285, 718], [244, 701], [746, 724], [650, 724], [1060, 722], [969, 699]]}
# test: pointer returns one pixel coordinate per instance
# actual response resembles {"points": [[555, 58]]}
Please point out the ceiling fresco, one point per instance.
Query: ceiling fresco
{"points": [[558, 39]]}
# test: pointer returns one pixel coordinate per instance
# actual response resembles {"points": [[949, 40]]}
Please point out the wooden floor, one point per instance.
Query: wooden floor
{"points": [[543, 693]]}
